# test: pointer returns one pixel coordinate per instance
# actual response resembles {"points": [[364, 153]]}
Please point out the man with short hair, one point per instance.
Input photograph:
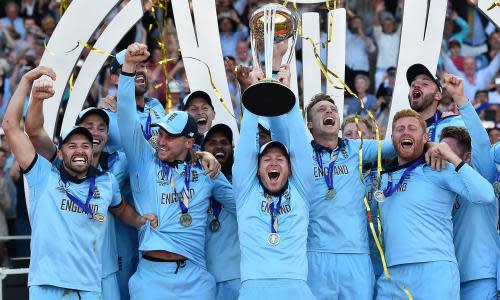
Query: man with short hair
{"points": [[474, 226], [424, 95], [416, 214], [338, 248], [271, 188], [199, 105], [179, 193], [64, 200], [149, 110], [96, 121], [222, 245], [474, 230], [350, 130]]}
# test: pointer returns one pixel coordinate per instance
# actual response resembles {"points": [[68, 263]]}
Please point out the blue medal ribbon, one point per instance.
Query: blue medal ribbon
{"points": [[216, 208], [147, 132], [274, 210], [184, 194], [112, 159], [390, 189], [84, 206], [434, 127], [329, 174]]}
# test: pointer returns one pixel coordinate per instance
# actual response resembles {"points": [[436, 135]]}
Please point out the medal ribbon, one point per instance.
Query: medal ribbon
{"points": [[112, 159], [434, 128], [389, 190], [274, 209], [147, 132], [183, 196], [84, 206], [329, 174], [216, 208]]}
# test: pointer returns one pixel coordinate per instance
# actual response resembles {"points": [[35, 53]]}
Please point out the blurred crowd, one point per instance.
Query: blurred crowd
{"points": [[470, 49]]}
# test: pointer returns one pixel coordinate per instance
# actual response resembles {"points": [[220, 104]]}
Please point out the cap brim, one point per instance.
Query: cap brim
{"points": [[420, 69], [197, 94], [273, 144], [78, 130], [96, 111]]}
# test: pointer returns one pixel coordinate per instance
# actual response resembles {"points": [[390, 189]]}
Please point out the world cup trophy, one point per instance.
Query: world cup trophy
{"points": [[273, 33]]}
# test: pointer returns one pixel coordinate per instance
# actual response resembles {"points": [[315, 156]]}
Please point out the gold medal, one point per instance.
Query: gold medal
{"points": [[273, 239], [379, 196], [98, 217], [186, 219], [152, 142], [496, 187], [214, 225], [330, 194]]}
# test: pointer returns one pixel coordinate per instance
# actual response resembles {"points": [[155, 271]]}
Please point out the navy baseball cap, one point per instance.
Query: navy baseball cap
{"points": [[117, 61], [68, 132], [197, 94], [91, 111], [419, 69], [222, 128], [274, 144], [179, 123]]}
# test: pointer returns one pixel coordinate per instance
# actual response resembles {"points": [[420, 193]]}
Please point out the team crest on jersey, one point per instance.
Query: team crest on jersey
{"points": [[63, 187], [344, 152], [97, 194], [195, 176], [161, 177]]}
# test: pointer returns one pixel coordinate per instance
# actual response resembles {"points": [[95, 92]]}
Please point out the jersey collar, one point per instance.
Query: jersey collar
{"points": [[92, 172], [393, 166], [318, 147]]}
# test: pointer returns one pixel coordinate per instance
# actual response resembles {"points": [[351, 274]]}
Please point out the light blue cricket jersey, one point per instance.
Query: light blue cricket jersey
{"points": [[442, 123], [260, 260], [153, 194], [66, 246], [340, 225], [475, 226], [223, 247], [416, 219], [152, 107], [370, 188], [495, 152], [116, 164]]}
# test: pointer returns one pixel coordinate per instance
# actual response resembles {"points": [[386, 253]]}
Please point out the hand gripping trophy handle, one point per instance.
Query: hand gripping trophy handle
{"points": [[273, 31]]}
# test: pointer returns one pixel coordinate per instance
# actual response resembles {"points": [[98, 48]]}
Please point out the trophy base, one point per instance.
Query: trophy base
{"points": [[268, 98]]}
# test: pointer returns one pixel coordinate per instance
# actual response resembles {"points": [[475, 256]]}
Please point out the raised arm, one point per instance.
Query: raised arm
{"points": [[34, 128], [128, 121], [290, 130], [19, 142], [481, 159], [246, 152], [491, 70]]}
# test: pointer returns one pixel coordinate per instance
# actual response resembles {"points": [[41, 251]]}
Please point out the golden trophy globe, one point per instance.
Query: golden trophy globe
{"points": [[273, 33]]}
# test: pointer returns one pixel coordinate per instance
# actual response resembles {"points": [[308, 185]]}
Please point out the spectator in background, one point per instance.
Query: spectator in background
{"points": [[350, 131], [243, 54], [358, 47], [387, 35], [473, 79], [493, 49], [494, 134], [7, 43], [175, 94], [449, 32], [454, 49], [494, 95], [12, 20], [48, 25], [480, 101], [35, 9], [5, 203], [234, 88], [477, 23], [231, 31], [352, 105]]}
